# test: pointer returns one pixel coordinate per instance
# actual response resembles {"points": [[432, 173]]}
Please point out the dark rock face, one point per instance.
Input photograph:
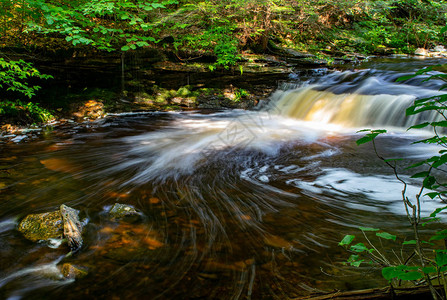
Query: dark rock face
{"points": [[72, 227]]}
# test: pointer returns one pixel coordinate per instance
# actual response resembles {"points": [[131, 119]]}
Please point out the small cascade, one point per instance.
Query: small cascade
{"points": [[370, 100]]}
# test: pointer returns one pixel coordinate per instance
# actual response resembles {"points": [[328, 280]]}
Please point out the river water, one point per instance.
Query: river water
{"points": [[235, 204]]}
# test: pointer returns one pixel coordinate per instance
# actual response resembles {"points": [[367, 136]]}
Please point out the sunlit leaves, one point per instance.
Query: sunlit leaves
{"points": [[347, 240], [94, 22], [369, 136], [14, 76], [410, 242], [368, 229], [386, 235]]}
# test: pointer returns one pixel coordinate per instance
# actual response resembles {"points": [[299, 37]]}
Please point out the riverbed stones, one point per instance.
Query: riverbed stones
{"points": [[71, 271], [421, 52], [44, 226], [124, 212], [72, 227], [129, 242], [54, 225], [89, 110], [439, 48]]}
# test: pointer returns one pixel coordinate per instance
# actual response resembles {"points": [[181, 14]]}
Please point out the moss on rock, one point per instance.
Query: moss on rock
{"points": [[44, 226], [71, 271]]}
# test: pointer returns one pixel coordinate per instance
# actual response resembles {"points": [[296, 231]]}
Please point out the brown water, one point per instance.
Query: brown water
{"points": [[236, 205]]}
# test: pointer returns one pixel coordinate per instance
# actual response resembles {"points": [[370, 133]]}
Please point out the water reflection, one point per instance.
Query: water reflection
{"points": [[236, 205]]}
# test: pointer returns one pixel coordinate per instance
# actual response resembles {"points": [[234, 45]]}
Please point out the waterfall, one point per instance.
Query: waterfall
{"points": [[368, 100]]}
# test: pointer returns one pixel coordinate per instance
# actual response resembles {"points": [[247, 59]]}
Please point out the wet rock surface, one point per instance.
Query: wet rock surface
{"points": [[63, 223], [72, 271], [72, 227], [124, 212], [42, 226]]}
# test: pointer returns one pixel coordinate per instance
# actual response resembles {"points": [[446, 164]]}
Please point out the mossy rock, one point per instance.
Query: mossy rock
{"points": [[124, 212], [183, 92], [71, 271], [44, 226]]}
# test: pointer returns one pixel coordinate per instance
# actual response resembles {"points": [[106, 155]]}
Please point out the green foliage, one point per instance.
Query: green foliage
{"points": [[14, 76], [225, 28], [393, 270], [24, 113], [105, 25], [369, 137], [240, 94], [419, 264]]}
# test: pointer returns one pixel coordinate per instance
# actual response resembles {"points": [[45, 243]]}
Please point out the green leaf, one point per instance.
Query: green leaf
{"points": [[364, 140], [406, 77], [355, 261], [360, 247], [412, 110], [410, 242], [442, 160], [419, 126], [440, 124], [420, 174], [401, 272], [440, 235], [386, 235], [428, 270], [364, 130], [429, 181], [432, 195], [125, 48], [410, 276], [441, 258], [157, 5], [390, 272], [436, 211], [417, 164], [393, 159], [368, 229], [347, 240]]}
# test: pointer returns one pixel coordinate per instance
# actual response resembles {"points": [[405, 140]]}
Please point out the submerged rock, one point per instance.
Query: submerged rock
{"points": [[54, 225], [44, 226], [72, 227], [125, 212], [129, 242], [71, 271]]}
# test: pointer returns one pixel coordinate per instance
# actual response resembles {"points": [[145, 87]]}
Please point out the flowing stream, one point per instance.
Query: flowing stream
{"points": [[236, 204]]}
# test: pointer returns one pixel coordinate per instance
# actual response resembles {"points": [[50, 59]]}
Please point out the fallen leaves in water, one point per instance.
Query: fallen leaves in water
{"points": [[245, 217], [11, 158], [59, 146], [117, 195], [277, 241], [59, 165], [154, 200], [152, 243], [125, 240]]}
